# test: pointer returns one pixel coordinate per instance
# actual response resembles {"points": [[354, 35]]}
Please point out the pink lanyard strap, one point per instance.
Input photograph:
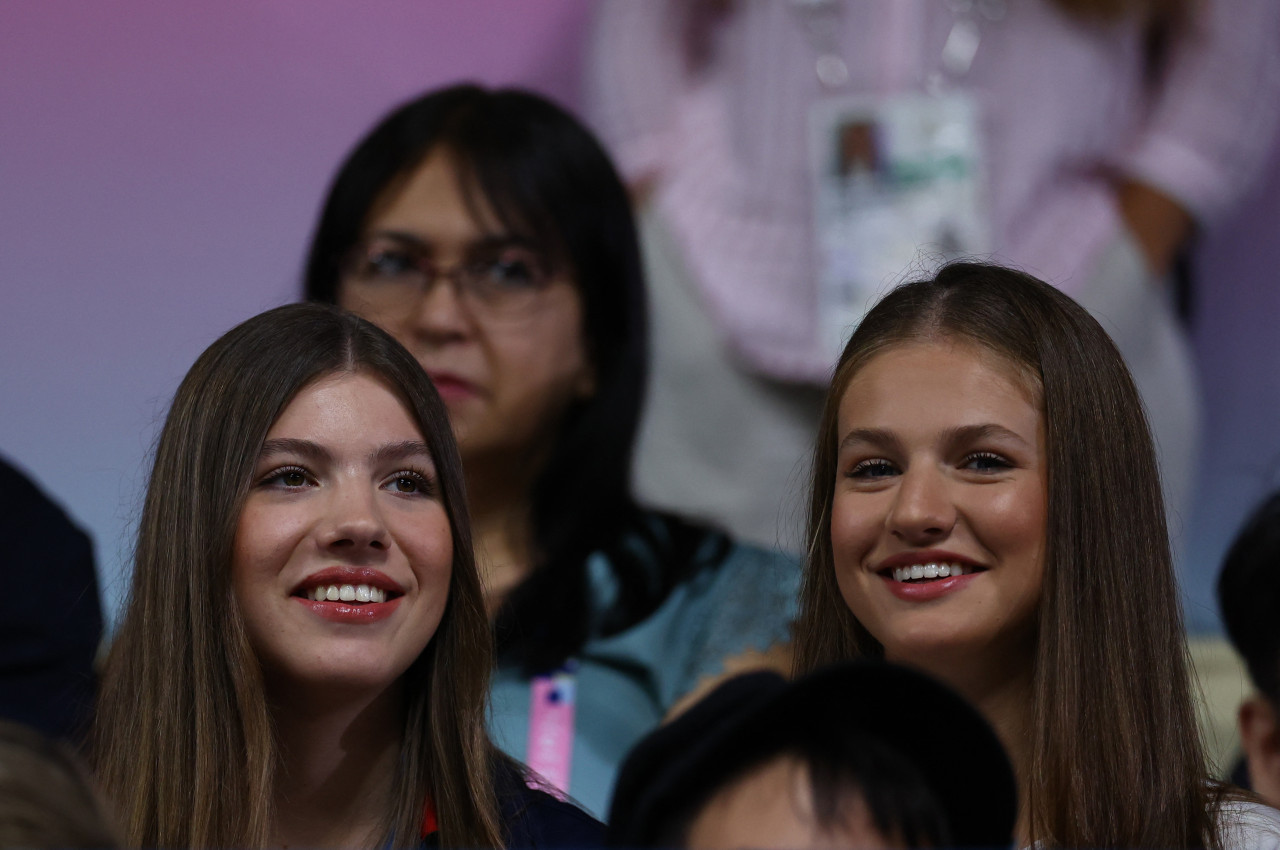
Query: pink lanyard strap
{"points": [[551, 707]]}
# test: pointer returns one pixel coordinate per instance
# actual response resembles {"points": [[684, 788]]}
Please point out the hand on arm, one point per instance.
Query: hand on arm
{"points": [[777, 658], [1158, 223]]}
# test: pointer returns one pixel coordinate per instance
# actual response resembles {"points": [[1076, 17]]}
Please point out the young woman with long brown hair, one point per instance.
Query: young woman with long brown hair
{"points": [[986, 506], [305, 657]]}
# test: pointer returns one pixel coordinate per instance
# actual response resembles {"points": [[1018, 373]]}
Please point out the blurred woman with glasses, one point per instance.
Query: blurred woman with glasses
{"points": [[490, 234]]}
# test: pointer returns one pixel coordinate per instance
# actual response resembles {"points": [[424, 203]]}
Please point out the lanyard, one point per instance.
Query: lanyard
{"points": [[551, 708], [821, 22]]}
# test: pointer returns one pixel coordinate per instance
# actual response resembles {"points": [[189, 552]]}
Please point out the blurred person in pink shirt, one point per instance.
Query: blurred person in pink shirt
{"points": [[1102, 134]]}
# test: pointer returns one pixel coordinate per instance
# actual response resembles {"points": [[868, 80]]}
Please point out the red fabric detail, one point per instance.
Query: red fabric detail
{"points": [[429, 824]]}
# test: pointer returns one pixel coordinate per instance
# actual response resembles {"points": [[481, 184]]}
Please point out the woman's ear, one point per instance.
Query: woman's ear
{"points": [[1260, 739]]}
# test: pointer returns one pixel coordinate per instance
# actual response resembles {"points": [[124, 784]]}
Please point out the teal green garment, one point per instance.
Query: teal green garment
{"points": [[627, 682]]}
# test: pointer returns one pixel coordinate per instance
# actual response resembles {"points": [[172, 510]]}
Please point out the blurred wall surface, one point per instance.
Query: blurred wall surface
{"points": [[1236, 331], [161, 165]]}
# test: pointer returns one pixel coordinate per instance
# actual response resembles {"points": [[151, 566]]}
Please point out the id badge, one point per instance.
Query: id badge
{"points": [[898, 185], [549, 754]]}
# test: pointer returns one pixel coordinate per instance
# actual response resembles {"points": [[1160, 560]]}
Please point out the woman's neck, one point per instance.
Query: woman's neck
{"points": [[1004, 694], [335, 777], [1007, 701], [502, 530], [1009, 708]]}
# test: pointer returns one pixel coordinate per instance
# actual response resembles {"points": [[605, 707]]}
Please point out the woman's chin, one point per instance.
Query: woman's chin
{"points": [[934, 651], [963, 660], [320, 684]]}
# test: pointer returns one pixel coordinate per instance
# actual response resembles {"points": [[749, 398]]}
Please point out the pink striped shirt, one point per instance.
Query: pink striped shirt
{"points": [[1065, 109]]}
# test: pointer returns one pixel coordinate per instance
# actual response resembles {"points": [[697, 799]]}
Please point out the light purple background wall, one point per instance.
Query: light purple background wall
{"points": [[161, 165]]}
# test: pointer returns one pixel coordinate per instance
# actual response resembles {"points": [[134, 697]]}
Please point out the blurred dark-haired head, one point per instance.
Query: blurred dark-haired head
{"points": [[1249, 598], [1249, 595], [490, 233], [46, 795], [852, 755]]}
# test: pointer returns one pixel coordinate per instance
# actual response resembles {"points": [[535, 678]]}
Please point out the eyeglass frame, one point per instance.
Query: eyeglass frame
{"points": [[466, 277]]}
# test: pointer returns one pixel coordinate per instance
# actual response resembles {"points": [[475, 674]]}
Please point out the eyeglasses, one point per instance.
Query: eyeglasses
{"points": [[501, 277]]}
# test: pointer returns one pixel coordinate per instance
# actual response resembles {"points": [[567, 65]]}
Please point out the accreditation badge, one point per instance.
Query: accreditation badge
{"points": [[898, 181]]}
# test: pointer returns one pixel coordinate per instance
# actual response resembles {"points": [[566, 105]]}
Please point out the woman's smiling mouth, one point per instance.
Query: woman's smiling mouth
{"points": [[346, 588], [928, 571], [357, 593]]}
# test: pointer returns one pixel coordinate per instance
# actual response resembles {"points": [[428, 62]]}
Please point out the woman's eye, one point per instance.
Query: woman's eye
{"points": [[411, 483], [510, 269], [986, 462], [388, 262], [289, 478], [873, 468]]}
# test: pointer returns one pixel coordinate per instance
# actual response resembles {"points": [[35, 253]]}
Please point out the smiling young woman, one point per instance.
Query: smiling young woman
{"points": [[938, 516], [986, 506], [344, 502], [305, 657]]}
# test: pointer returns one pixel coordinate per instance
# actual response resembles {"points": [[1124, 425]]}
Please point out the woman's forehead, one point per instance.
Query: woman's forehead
{"points": [[953, 346]]}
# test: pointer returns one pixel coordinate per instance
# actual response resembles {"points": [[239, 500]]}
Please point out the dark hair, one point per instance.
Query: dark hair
{"points": [[183, 739], [46, 796], [864, 728], [1249, 596], [1116, 757], [546, 177], [839, 763]]}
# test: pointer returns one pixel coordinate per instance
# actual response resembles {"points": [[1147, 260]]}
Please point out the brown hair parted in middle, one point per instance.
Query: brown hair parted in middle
{"points": [[1115, 753], [183, 740]]}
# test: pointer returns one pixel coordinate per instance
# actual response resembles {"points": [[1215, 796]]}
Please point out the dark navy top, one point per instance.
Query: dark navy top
{"points": [[533, 818]]}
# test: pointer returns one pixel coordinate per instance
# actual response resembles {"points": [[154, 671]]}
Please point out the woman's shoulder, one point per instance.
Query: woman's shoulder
{"points": [[1248, 825], [533, 818], [732, 598], [693, 565], [703, 548]]}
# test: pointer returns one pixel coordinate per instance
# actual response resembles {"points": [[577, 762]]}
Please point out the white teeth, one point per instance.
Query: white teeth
{"points": [[929, 571], [347, 593]]}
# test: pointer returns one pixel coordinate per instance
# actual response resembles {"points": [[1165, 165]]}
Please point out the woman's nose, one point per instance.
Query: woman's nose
{"points": [[923, 511], [441, 313], [354, 521]]}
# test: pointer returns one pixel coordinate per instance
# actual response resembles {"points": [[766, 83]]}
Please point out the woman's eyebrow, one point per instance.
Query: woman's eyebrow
{"points": [[400, 451], [409, 239], [489, 242], [880, 438], [886, 440], [504, 239], [290, 445], [986, 431]]}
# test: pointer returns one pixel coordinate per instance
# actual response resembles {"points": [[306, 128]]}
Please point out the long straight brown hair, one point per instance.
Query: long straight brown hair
{"points": [[1116, 756], [183, 741]]}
